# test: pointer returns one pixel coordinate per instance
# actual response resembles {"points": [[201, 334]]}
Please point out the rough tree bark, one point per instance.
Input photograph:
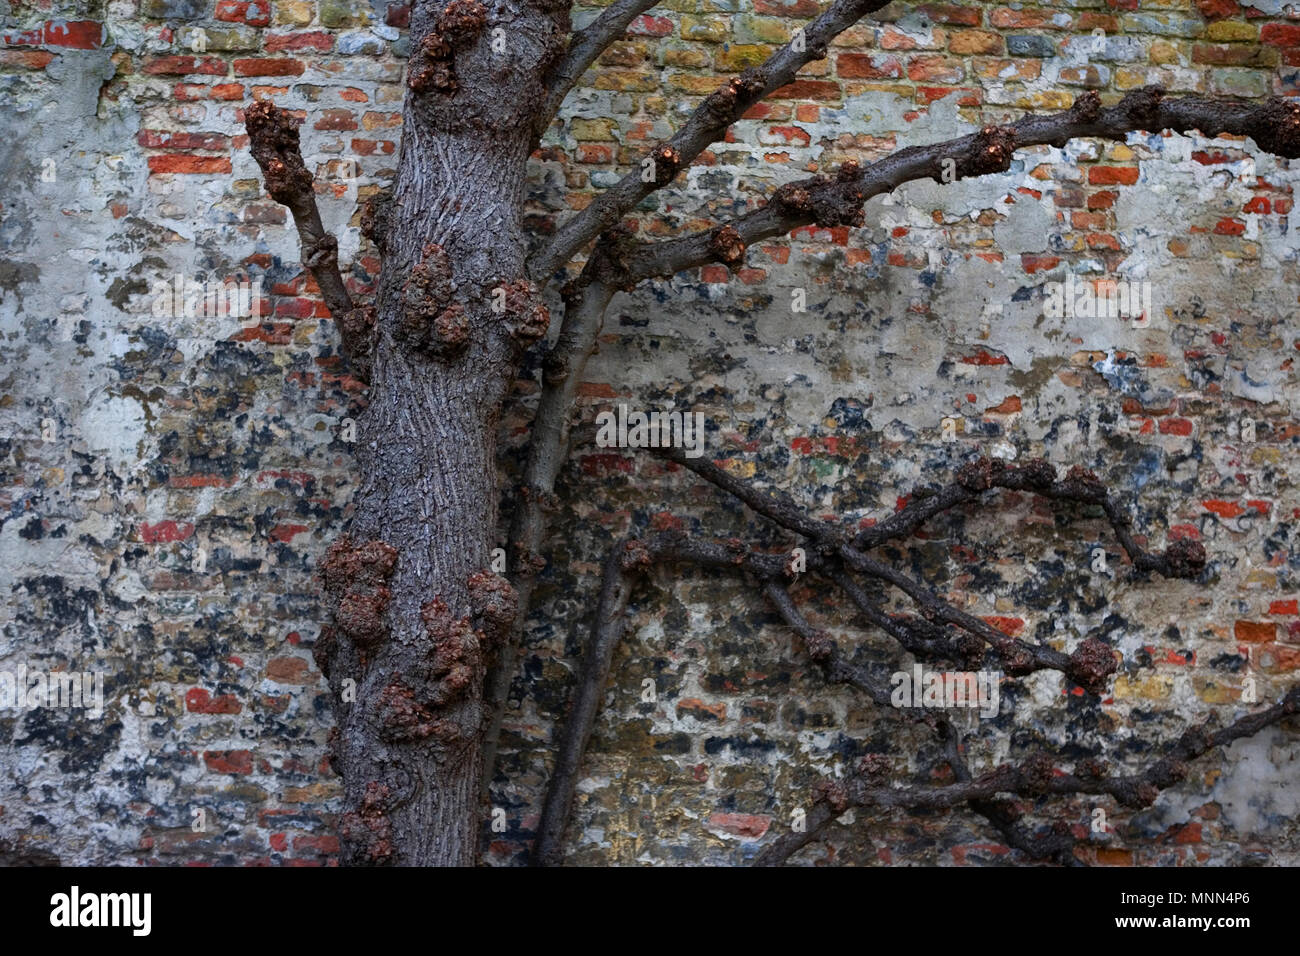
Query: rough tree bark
{"points": [[416, 609], [417, 616]]}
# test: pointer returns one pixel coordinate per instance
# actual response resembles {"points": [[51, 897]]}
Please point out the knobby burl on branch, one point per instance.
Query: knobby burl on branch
{"points": [[434, 327]]}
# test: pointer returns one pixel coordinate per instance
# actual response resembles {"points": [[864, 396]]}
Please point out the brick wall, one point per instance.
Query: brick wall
{"points": [[169, 481]]}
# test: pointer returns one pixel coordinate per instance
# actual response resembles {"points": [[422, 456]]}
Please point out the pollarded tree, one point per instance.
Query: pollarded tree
{"points": [[423, 634]]}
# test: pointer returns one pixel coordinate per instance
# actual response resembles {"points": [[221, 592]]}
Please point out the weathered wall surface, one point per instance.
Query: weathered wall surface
{"points": [[169, 481]]}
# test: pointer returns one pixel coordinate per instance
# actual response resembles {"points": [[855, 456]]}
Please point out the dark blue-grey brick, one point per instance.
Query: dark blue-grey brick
{"points": [[1029, 45]]}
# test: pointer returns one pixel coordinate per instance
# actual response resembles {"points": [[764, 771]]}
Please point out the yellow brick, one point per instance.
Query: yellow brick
{"points": [[625, 80], [696, 85], [1229, 31], [741, 468], [1151, 687], [295, 13], [1214, 692], [896, 89], [588, 130], [1163, 53], [767, 29], [738, 56], [1127, 78], [706, 29], [1261, 578], [691, 58], [1049, 100]]}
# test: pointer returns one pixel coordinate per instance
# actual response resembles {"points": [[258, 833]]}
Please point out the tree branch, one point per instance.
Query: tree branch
{"points": [[1034, 777], [1089, 666], [837, 201], [562, 372], [585, 47], [1181, 559], [606, 632], [706, 125], [273, 138]]}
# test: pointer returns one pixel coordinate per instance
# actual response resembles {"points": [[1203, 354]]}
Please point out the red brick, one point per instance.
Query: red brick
{"points": [[186, 163], [808, 90], [1255, 632], [398, 15], [286, 532], [694, 707], [1280, 34], [165, 531], [935, 69], [741, 824], [1113, 175], [288, 670], [184, 65], [928, 94], [74, 34], [336, 119], [648, 26], [317, 40], [1032, 262], [26, 59], [804, 9], [1224, 509], [791, 134], [1004, 18], [951, 13], [1010, 626], [368, 147], [268, 67], [171, 139], [186, 92], [199, 701], [33, 37], [229, 761], [595, 153], [1291, 607], [320, 844], [864, 66], [1176, 426], [255, 13], [1218, 9], [984, 357]]}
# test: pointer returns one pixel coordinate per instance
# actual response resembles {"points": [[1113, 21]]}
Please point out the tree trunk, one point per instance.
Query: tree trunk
{"points": [[416, 609]]}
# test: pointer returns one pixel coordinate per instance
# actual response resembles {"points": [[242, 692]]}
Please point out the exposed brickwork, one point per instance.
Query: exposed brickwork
{"points": [[169, 482]]}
